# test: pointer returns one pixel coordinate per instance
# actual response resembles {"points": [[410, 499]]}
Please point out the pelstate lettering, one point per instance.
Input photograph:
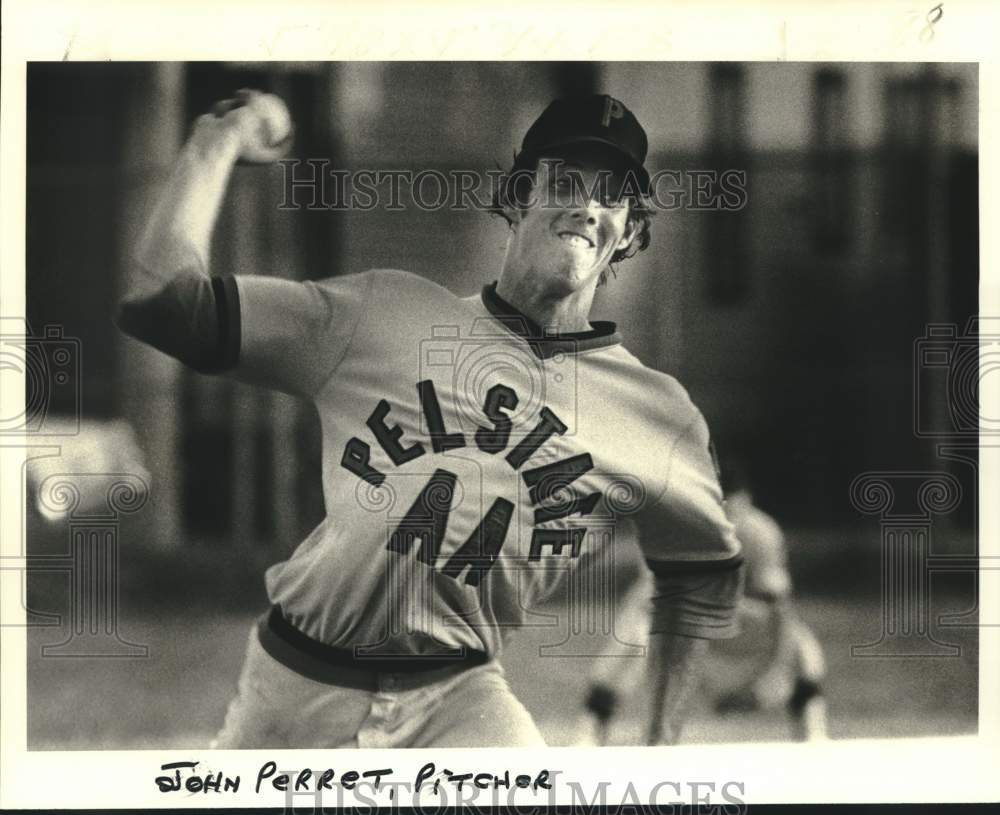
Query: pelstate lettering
{"points": [[426, 521]]}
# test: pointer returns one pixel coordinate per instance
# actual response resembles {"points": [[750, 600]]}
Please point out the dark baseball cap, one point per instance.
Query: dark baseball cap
{"points": [[596, 119]]}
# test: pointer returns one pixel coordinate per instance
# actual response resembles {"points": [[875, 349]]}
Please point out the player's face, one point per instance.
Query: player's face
{"points": [[576, 219]]}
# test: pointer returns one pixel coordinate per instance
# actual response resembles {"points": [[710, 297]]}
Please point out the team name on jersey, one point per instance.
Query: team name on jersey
{"points": [[427, 519]]}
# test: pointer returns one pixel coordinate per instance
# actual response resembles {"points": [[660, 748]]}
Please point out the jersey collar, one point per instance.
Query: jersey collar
{"points": [[546, 342]]}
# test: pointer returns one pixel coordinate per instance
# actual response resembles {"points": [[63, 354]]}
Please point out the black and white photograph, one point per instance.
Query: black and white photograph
{"points": [[405, 412]]}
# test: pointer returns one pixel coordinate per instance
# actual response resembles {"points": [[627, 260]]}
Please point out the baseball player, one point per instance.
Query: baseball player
{"points": [[775, 662], [472, 446]]}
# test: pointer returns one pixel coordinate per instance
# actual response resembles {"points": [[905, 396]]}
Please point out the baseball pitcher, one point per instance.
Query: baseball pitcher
{"points": [[473, 446]]}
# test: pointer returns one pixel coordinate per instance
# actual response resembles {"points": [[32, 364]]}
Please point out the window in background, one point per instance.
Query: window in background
{"points": [[728, 275], [831, 170]]}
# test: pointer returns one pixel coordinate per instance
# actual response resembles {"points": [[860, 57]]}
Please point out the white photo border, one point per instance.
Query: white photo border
{"points": [[920, 770]]}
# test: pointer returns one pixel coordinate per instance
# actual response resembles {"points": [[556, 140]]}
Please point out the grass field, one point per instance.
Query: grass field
{"points": [[177, 696]]}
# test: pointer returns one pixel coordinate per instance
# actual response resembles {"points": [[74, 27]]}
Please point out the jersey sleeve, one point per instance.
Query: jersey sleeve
{"points": [[294, 334], [690, 545], [192, 318], [283, 334]]}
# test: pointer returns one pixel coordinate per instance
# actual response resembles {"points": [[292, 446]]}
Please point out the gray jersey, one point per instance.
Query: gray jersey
{"points": [[470, 459]]}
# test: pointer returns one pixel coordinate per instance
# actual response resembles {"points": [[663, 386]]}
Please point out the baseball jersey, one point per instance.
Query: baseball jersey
{"points": [[470, 459]]}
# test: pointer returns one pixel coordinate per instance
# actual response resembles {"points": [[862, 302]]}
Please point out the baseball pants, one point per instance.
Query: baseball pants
{"points": [[279, 708]]}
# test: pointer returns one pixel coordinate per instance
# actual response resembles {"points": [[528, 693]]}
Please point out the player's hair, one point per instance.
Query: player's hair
{"points": [[512, 191]]}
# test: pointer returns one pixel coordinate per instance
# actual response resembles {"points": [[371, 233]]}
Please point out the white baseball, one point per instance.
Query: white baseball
{"points": [[265, 125]]}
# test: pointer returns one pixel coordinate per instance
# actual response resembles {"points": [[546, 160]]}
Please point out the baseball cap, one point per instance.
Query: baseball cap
{"points": [[595, 119]]}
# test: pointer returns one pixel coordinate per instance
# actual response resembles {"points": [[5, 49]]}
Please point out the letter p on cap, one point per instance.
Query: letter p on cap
{"points": [[613, 109]]}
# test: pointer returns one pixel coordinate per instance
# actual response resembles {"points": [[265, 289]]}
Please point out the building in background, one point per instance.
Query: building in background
{"points": [[792, 320]]}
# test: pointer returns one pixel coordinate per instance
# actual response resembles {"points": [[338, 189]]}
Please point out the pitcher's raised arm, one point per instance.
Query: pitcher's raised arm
{"points": [[172, 301]]}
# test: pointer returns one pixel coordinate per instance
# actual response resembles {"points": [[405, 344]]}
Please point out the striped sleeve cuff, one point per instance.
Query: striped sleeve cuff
{"points": [[697, 599]]}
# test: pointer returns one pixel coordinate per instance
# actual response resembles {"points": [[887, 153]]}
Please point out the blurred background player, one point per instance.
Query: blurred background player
{"points": [[775, 662]]}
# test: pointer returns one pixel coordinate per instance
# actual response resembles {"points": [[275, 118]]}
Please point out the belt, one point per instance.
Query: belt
{"points": [[347, 668]]}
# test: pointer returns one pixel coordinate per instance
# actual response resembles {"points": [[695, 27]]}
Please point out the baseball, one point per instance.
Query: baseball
{"points": [[265, 123]]}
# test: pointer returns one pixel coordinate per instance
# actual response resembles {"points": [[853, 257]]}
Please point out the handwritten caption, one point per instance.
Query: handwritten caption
{"points": [[183, 776]]}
